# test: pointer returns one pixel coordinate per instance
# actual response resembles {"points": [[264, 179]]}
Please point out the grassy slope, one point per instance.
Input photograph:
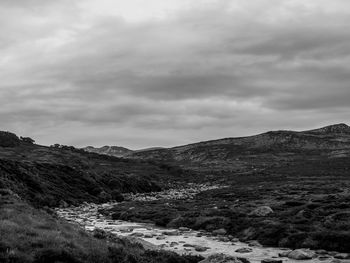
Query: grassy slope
{"points": [[33, 235], [310, 200], [37, 176], [47, 175]]}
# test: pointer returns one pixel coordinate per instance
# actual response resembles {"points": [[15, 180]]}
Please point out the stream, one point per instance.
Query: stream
{"points": [[182, 240]]}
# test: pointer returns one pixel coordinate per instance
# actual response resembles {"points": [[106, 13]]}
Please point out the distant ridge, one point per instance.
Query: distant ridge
{"points": [[116, 151], [237, 153], [336, 128]]}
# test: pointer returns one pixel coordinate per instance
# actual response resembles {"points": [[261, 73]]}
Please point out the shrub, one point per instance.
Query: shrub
{"points": [[8, 139], [117, 196], [27, 140], [55, 255]]}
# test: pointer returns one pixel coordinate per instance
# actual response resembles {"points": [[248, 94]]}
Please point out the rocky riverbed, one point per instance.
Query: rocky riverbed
{"points": [[187, 241], [188, 191]]}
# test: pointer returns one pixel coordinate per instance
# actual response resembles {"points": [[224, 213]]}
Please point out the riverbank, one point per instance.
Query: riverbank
{"points": [[183, 240]]}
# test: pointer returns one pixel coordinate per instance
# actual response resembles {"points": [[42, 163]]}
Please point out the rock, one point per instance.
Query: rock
{"points": [[223, 239], [301, 254], [200, 248], [173, 244], [222, 258], [254, 243], [342, 256], [188, 245], [171, 233], [284, 253], [148, 235], [234, 239], [321, 252], [99, 233], [63, 204], [136, 234], [261, 211], [125, 230], [220, 231], [160, 237], [244, 250], [184, 229], [324, 257], [270, 260]]}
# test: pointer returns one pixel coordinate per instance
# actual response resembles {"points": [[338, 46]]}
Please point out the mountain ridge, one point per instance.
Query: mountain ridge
{"points": [[273, 146]]}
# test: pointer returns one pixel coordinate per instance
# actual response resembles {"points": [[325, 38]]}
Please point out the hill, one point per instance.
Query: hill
{"points": [[109, 150], [256, 152], [117, 151], [62, 174]]}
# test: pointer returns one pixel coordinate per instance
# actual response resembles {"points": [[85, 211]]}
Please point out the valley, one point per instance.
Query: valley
{"points": [[270, 193]]}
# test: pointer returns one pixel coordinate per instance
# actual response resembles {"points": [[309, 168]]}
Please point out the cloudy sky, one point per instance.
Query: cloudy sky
{"points": [[141, 73]]}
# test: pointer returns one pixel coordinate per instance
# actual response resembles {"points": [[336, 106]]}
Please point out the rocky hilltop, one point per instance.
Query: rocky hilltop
{"points": [[261, 150], [116, 151]]}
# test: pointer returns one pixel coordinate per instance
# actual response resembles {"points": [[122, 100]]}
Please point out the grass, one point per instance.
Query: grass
{"points": [[311, 208], [47, 175], [32, 235]]}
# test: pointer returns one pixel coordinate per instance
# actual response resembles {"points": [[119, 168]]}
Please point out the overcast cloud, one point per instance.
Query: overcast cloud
{"points": [[141, 73]]}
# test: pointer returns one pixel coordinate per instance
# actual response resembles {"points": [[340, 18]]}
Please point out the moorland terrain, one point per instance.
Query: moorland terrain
{"points": [[300, 178], [281, 188]]}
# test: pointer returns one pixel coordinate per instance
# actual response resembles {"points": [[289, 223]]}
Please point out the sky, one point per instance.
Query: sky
{"points": [[144, 73]]}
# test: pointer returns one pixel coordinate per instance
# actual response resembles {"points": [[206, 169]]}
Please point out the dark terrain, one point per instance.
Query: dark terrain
{"points": [[34, 178], [300, 178], [50, 175]]}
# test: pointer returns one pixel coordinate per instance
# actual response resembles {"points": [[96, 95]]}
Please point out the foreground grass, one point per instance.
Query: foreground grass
{"points": [[32, 235]]}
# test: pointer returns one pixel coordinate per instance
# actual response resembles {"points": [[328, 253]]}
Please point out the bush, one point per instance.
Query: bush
{"points": [[55, 255], [27, 140], [117, 196], [8, 139]]}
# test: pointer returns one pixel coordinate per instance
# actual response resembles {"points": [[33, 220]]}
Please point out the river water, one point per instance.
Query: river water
{"points": [[183, 241]]}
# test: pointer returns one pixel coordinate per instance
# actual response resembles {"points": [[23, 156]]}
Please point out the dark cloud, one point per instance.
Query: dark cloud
{"points": [[73, 72]]}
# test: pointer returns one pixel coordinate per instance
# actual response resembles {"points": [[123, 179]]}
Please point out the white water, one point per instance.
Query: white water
{"points": [[88, 217]]}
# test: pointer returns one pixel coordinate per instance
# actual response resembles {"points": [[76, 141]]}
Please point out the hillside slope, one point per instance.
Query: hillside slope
{"points": [[109, 150], [257, 152], [51, 175]]}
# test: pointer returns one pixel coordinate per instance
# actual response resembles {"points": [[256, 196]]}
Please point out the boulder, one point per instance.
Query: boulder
{"points": [[223, 239], [171, 233], [301, 254], [321, 252], [63, 204], [244, 250], [324, 257], [137, 234], [271, 260], [222, 258], [220, 231], [284, 253], [342, 256], [261, 211], [188, 245], [200, 248], [254, 243], [173, 244]]}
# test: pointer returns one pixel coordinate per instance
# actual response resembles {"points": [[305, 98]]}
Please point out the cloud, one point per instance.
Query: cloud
{"points": [[157, 74]]}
